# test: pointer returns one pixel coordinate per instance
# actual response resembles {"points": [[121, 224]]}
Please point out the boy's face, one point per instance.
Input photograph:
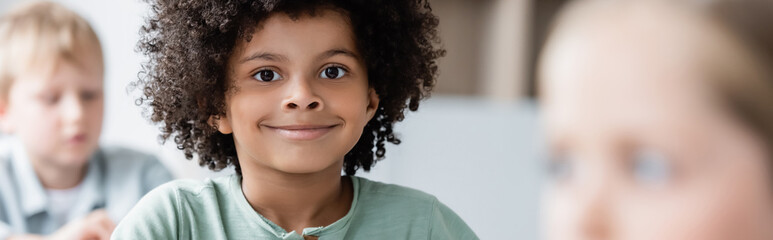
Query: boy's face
{"points": [[640, 147], [57, 116], [300, 96]]}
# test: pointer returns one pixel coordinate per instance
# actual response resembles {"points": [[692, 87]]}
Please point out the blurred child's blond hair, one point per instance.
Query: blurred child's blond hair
{"points": [[36, 36]]}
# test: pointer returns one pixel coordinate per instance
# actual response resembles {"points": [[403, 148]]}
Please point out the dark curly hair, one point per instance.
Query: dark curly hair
{"points": [[188, 43]]}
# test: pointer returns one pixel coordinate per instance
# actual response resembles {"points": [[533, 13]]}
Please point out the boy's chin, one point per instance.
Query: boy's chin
{"points": [[74, 157], [303, 166]]}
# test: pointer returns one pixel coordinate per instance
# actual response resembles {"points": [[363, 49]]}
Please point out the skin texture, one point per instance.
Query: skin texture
{"points": [[628, 85], [315, 100]]}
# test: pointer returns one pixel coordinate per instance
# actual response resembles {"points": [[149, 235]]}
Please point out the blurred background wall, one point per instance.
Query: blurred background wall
{"points": [[475, 144]]}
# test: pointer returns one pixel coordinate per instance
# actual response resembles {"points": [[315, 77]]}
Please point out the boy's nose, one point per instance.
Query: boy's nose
{"points": [[596, 205], [301, 96], [311, 105], [594, 222], [72, 109]]}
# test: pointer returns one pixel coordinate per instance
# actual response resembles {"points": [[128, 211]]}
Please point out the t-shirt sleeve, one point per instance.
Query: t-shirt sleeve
{"points": [[445, 224], [154, 217]]}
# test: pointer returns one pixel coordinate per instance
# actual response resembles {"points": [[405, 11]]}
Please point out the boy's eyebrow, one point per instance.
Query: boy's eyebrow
{"points": [[338, 51], [265, 56], [280, 58]]}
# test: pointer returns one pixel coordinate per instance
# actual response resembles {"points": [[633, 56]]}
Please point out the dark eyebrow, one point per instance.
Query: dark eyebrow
{"points": [[280, 58], [338, 51], [265, 56]]}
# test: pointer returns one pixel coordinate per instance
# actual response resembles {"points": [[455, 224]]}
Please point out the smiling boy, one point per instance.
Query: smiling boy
{"points": [[291, 93]]}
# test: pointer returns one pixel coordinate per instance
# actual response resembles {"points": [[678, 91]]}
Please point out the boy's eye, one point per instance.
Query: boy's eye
{"points": [[88, 95], [333, 73], [50, 98], [267, 76], [651, 167]]}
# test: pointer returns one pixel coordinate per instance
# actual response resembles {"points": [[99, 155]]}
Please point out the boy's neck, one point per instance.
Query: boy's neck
{"points": [[52, 176], [298, 201]]}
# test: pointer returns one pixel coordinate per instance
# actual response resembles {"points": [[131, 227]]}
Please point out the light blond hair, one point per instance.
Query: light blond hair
{"points": [[36, 36]]}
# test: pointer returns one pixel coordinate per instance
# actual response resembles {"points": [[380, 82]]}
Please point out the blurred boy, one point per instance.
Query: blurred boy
{"points": [[56, 181]]}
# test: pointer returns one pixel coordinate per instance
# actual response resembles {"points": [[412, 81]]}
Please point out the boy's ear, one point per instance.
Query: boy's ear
{"points": [[5, 124], [221, 123], [373, 101]]}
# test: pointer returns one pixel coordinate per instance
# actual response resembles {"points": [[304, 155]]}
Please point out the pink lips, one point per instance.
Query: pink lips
{"points": [[77, 139], [302, 132]]}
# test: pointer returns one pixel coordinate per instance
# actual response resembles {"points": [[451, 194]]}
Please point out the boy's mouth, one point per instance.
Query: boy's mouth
{"points": [[77, 139], [302, 132]]}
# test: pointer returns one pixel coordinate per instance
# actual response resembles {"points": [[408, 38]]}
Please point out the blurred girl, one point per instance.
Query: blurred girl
{"points": [[660, 120]]}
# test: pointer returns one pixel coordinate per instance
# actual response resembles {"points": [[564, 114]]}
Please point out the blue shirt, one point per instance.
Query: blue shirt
{"points": [[115, 180]]}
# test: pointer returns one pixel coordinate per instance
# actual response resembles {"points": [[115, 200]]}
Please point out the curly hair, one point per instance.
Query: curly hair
{"points": [[188, 43]]}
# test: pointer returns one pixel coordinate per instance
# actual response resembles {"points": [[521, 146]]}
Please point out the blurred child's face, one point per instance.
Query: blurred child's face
{"points": [[57, 114], [300, 97], [640, 148]]}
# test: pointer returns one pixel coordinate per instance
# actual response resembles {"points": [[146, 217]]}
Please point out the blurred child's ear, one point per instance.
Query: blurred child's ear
{"points": [[221, 123], [5, 123], [373, 101]]}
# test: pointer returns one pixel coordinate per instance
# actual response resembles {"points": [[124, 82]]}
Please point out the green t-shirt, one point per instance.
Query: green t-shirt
{"points": [[217, 209]]}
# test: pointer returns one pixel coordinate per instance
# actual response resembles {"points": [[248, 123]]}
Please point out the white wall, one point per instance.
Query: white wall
{"points": [[478, 157]]}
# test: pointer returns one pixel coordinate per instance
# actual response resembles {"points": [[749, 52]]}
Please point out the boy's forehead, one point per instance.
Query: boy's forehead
{"points": [[302, 34], [32, 56], [82, 59], [63, 72]]}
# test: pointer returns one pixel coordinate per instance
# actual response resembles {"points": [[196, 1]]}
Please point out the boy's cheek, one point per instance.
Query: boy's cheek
{"points": [[17, 119], [95, 115], [34, 121]]}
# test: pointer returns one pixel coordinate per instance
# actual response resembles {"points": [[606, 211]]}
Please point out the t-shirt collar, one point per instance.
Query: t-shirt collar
{"points": [[336, 230], [33, 198]]}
